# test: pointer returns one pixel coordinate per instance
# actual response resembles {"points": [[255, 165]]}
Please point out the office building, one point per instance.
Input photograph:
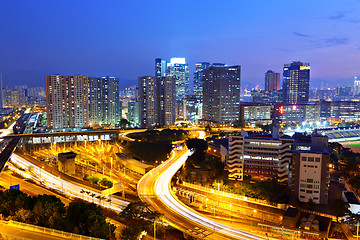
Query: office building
{"points": [[198, 77], [356, 89], [259, 156], [262, 96], [343, 110], [255, 113], [310, 171], [343, 94], [160, 67], [95, 100], [111, 110], [295, 113], [191, 108], [272, 81], [221, 94], [296, 80], [178, 69]]}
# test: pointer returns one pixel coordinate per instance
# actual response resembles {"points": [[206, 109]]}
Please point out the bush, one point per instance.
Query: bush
{"points": [[106, 183]]}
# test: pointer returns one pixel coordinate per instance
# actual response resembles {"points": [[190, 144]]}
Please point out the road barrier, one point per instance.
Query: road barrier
{"points": [[47, 230]]}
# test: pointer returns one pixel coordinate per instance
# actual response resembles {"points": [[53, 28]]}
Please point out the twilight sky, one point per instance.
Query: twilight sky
{"points": [[122, 38]]}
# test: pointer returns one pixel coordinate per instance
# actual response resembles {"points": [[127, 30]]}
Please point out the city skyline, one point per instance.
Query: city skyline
{"points": [[110, 44]]}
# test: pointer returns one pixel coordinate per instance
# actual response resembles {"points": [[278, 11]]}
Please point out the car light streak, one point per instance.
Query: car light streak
{"points": [[68, 188], [158, 181]]}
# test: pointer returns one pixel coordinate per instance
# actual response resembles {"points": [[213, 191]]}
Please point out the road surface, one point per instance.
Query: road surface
{"points": [[154, 188]]}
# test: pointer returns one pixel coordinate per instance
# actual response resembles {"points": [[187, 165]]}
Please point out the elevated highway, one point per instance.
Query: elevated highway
{"points": [[154, 188]]}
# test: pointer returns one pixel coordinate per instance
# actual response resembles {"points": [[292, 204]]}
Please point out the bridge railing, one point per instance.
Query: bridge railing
{"points": [[49, 231]]}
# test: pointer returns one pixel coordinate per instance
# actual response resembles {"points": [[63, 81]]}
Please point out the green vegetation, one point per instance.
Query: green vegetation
{"points": [[48, 211], [200, 166], [160, 135], [271, 190], [150, 151], [154, 145], [140, 218], [92, 179], [106, 183], [124, 123], [357, 145], [96, 180], [350, 160]]}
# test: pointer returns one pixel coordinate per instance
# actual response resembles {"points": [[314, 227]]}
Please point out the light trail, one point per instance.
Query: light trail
{"points": [[68, 188], [158, 181]]}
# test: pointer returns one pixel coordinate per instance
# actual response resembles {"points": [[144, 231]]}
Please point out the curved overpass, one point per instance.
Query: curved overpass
{"points": [[154, 188]]}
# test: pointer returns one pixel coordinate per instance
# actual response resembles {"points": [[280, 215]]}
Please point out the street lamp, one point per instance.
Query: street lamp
{"points": [[111, 159], [218, 194]]}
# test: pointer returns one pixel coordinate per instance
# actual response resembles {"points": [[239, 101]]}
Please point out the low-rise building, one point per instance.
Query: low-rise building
{"points": [[259, 156], [255, 113], [310, 169], [66, 162], [296, 113]]}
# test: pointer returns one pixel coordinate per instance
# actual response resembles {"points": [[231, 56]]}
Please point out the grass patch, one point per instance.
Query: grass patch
{"points": [[357, 145]]}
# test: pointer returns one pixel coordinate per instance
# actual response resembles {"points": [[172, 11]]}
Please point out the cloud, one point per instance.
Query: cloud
{"points": [[336, 41], [301, 34], [345, 16], [337, 16]]}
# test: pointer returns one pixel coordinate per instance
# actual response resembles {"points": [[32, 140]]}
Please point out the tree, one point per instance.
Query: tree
{"points": [[130, 233], [22, 215], [48, 211], [124, 123], [87, 218], [208, 128], [107, 183], [12, 200], [199, 146]]}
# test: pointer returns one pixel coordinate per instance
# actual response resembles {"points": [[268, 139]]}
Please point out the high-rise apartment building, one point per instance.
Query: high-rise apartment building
{"points": [[178, 69], [198, 77], [57, 101], [148, 101], [111, 109], [95, 100], [67, 104], [272, 81], [166, 90], [296, 81], [78, 100], [221, 94], [157, 101], [15, 98], [133, 114]]}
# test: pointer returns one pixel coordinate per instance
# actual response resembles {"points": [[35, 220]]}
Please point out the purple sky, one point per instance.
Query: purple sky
{"points": [[123, 38]]}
